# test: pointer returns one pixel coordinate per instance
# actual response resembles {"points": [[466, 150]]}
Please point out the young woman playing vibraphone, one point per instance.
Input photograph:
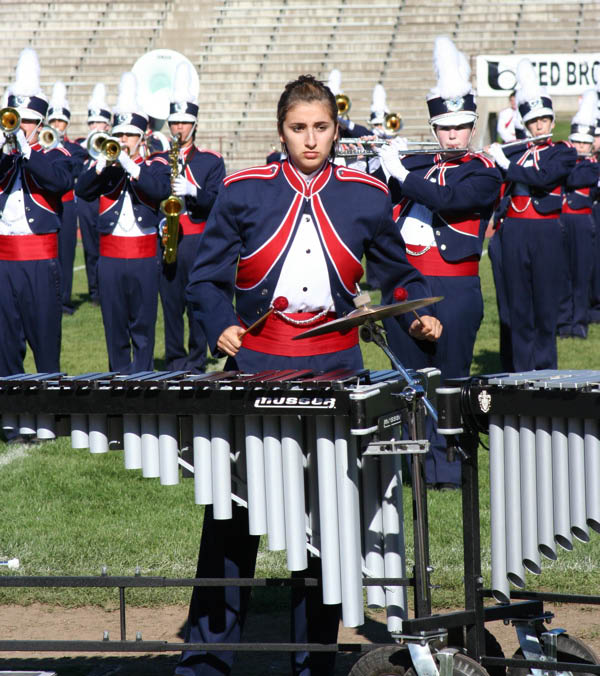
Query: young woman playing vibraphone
{"points": [[295, 231]]}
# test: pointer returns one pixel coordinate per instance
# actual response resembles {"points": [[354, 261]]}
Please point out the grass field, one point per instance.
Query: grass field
{"points": [[66, 512]]}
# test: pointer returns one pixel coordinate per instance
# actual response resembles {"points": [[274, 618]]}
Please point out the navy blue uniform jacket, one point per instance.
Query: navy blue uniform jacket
{"points": [[254, 219]]}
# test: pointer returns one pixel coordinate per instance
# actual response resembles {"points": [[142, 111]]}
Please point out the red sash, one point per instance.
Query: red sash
{"points": [[521, 206], [190, 228], [28, 247], [274, 336], [566, 209], [432, 264], [112, 246]]}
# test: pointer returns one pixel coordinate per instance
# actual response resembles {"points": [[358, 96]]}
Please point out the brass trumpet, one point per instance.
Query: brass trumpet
{"points": [[111, 148], [343, 104], [392, 123], [94, 143], [10, 120], [48, 138]]}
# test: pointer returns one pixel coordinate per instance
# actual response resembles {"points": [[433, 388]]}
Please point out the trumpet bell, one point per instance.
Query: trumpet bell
{"points": [[10, 120], [48, 138], [111, 148], [393, 123], [343, 104], [94, 143]]}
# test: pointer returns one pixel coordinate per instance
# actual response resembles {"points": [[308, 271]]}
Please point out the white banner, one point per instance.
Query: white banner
{"points": [[561, 74]]}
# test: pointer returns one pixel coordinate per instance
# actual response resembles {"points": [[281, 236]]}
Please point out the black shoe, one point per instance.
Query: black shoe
{"points": [[447, 487]]}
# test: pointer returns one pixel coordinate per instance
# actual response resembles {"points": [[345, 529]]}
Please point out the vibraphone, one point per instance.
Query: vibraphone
{"points": [[544, 462], [314, 458]]}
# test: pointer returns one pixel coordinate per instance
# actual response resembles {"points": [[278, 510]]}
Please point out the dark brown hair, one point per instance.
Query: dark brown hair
{"points": [[305, 89]]}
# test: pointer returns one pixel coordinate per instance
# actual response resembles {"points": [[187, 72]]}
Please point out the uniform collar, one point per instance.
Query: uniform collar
{"points": [[315, 184]]}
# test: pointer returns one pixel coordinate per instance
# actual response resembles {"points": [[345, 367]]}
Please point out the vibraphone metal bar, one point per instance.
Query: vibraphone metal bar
{"points": [[262, 436], [544, 463]]}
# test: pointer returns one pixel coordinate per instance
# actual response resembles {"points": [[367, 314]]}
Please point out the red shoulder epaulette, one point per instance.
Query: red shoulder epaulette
{"points": [[62, 149], [486, 160], [263, 172], [157, 157], [346, 174]]}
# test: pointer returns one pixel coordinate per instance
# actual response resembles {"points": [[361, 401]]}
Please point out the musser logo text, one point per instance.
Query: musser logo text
{"points": [[294, 402]]}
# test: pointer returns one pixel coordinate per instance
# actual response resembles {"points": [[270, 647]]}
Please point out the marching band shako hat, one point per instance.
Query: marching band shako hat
{"points": [[128, 118], [379, 107], [583, 124], [532, 100], [184, 95], [59, 106], [98, 110], [25, 93], [452, 100]]}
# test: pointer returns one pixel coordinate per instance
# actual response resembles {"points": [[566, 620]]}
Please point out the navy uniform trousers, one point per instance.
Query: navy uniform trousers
{"points": [[217, 614], [533, 273], [172, 283], [495, 254], [460, 313], [87, 213], [594, 315], [67, 242], [579, 251], [129, 302], [30, 312]]}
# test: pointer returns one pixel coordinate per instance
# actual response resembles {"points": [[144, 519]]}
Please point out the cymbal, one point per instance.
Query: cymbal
{"points": [[368, 313]]}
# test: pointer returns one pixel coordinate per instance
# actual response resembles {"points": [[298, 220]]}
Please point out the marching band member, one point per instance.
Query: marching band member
{"points": [[154, 141], [99, 119], [130, 191], [200, 174], [595, 296], [296, 230], [505, 126], [577, 223], [58, 118], [32, 182], [444, 203], [530, 236], [348, 128]]}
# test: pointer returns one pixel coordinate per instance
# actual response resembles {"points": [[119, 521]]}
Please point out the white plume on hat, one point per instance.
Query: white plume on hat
{"points": [[27, 75], [528, 86], [334, 82], [58, 100], [452, 70], [379, 104], [127, 98], [588, 109], [185, 85], [98, 98]]}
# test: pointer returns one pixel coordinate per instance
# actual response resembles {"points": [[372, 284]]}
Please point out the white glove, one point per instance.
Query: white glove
{"points": [[2, 139], [24, 146], [391, 163], [496, 152], [184, 188], [100, 164], [129, 165], [400, 144]]}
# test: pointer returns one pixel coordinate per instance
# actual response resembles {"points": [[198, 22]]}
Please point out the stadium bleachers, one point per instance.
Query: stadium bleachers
{"points": [[245, 51]]}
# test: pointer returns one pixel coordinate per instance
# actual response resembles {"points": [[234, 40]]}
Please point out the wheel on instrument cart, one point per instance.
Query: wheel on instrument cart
{"points": [[568, 649], [494, 649], [382, 662], [392, 661]]}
